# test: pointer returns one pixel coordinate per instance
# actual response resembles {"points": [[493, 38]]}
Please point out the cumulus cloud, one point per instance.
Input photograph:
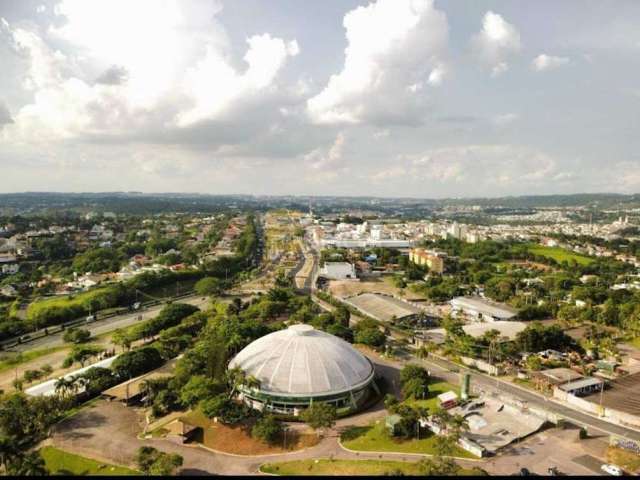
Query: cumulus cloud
{"points": [[265, 57], [5, 115], [548, 62], [319, 159], [496, 43], [394, 46], [114, 75], [159, 75], [479, 167]]}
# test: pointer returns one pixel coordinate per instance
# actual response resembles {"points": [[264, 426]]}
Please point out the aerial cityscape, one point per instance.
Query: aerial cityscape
{"points": [[337, 238]]}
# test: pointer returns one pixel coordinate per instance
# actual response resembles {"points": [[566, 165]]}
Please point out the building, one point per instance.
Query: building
{"points": [[448, 399], [583, 386], [338, 271], [430, 258], [478, 308], [298, 366]]}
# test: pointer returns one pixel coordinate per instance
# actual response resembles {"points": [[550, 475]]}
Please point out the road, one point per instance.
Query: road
{"points": [[443, 368], [449, 371], [106, 325]]}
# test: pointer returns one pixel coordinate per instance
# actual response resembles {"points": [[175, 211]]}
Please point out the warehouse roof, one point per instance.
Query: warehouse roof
{"points": [[484, 306]]}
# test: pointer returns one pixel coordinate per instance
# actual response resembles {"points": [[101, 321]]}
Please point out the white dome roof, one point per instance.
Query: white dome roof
{"points": [[302, 361]]}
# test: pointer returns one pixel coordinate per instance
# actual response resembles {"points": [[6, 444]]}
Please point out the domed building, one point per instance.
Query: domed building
{"points": [[300, 365]]}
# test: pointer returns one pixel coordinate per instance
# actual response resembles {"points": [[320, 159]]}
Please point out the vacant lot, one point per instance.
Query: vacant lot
{"points": [[237, 439], [559, 254], [348, 288]]}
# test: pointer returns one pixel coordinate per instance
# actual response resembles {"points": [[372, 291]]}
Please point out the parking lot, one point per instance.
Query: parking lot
{"points": [[551, 448]]}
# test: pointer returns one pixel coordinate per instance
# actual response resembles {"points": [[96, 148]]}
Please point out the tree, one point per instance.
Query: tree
{"points": [[319, 416], [154, 462], [76, 335], [267, 429], [136, 362], [225, 409], [198, 388], [28, 465], [122, 338], [370, 336], [415, 381], [83, 353], [209, 286]]}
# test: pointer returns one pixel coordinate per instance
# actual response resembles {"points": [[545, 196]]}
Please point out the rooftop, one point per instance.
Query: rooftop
{"points": [[485, 306], [302, 361]]}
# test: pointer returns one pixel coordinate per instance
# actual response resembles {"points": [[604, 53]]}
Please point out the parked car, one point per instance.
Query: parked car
{"points": [[612, 470]]}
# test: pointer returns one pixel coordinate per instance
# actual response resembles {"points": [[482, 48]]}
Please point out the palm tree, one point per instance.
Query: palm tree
{"points": [[63, 386], [29, 465], [237, 378], [8, 451]]}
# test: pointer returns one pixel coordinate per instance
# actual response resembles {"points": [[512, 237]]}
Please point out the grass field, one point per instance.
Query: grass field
{"points": [[559, 254], [435, 389], [375, 438], [348, 467], [11, 361], [59, 462]]}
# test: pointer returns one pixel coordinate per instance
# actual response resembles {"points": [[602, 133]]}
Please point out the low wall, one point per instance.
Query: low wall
{"points": [[481, 365], [609, 414]]}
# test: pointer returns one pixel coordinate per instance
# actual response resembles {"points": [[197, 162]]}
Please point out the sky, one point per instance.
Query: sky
{"points": [[395, 98]]}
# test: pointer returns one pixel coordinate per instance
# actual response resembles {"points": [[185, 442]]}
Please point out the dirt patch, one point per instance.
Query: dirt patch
{"points": [[237, 439], [348, 288]]}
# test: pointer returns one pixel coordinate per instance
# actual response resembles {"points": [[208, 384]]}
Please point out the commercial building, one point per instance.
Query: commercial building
{"points": [[478, 308], [298, 366]]}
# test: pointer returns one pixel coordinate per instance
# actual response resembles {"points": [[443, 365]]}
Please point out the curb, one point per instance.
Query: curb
{"points": [[428, 455]]}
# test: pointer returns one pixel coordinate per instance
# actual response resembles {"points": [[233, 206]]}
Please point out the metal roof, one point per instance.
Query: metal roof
{"points": [[483, 306], [302, 361], [582, 383]]}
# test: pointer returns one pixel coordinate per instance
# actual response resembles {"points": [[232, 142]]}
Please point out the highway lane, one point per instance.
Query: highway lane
{"points": [[106, 325]]}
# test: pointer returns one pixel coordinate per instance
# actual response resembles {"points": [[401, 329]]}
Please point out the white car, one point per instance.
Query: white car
{"points": [[612, 470]]}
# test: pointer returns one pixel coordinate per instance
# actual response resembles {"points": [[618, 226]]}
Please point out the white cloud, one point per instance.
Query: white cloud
{"points": [[318, 159], [393, 46], [214, 85], [480, 167], [545, 62], [505, 119], [496, 42], [169, 66]]}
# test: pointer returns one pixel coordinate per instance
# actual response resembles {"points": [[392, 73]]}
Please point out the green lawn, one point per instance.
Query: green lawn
{"points": [[435, 389], [61, 462], [559, 254], [348, 467], [375, 438]]}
